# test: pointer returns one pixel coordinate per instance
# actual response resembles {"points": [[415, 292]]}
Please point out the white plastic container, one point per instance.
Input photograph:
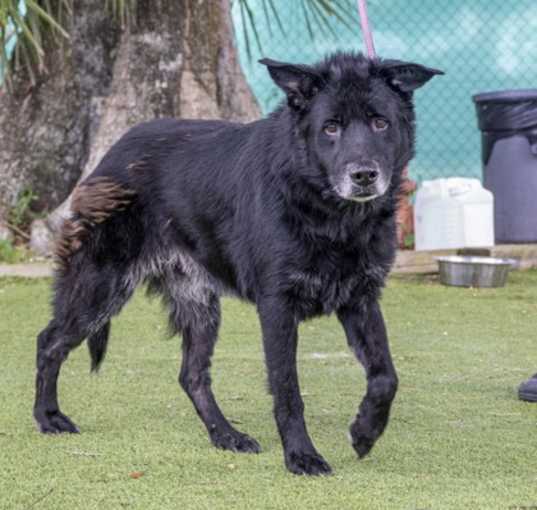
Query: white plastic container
{"points": [[453, 213]]}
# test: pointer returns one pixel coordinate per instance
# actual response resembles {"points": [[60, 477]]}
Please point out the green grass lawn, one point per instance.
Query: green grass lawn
{"points": [[458, 437]]}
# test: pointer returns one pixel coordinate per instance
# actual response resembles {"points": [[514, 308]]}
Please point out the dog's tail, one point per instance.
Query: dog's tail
{"points": [[97, 346]]}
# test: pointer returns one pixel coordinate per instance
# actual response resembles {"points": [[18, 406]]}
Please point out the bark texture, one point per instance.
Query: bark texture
{"points": [[175, 58], [44, 129]]}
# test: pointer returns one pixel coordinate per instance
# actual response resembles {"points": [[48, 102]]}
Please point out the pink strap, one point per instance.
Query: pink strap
{"points": [[366, 29]]}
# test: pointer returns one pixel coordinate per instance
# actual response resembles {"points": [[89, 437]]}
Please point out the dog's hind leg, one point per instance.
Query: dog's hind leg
{"points": [[198, 321], [366, 335], [84, 303], [53, 346]]}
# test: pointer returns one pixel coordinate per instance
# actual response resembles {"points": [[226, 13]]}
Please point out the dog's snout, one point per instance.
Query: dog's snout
{"points": [[365, 176]]}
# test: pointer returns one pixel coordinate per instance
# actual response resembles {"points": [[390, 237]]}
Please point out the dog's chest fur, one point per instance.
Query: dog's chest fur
{"points": [[337, 261], [329, 283]]}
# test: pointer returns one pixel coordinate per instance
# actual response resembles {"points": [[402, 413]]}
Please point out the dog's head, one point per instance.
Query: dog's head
{"points": [[356, 118]]}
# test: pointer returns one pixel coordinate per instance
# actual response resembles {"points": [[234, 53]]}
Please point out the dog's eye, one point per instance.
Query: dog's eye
{"points": [[379, 124], [331, 128]]}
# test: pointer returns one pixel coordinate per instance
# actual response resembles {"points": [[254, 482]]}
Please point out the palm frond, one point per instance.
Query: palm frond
{"points": [[250, 22], [318, 16], [27, 23], [121, 10], [322, 21], [275, 14]]}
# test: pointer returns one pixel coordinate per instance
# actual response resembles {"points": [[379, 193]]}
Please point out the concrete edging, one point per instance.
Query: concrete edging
{"points": [[407, 261], [31, 270]]}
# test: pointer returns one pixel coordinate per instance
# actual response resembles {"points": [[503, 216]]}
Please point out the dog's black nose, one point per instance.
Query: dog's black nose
{"points": [[365, 176]]}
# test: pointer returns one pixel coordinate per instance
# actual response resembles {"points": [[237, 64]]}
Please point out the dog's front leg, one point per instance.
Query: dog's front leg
{"points": [[280, 337], [366, 335]]}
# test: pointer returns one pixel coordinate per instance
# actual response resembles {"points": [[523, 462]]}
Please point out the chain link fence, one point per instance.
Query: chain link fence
{"points": [[482, 45]]}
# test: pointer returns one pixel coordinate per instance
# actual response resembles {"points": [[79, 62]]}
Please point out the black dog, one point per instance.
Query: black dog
{"points": [[294, 213]]}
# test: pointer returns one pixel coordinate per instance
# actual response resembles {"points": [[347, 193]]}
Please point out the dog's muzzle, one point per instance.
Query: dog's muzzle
{"points": [[363, 182]]}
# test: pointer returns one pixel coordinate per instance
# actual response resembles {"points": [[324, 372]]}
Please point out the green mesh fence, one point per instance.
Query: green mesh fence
{"points": [[482, 45]]}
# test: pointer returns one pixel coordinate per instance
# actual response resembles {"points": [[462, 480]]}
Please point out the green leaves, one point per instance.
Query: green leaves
{"points": [[317, 14], [121, 10], [28, 23]]}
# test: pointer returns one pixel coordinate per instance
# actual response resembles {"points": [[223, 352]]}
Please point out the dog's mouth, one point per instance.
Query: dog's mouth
{"points": [[363, 197], [350, 192]]}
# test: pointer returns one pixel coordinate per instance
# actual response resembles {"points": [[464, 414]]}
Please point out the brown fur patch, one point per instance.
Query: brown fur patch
{"points": [[93, 202]]}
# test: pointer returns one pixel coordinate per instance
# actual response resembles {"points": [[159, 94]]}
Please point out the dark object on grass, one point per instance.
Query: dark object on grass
{"points": [[295, 213], [528, 390]]}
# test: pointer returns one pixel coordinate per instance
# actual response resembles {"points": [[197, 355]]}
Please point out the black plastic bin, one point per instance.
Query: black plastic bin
{"points": [[508, 124]]}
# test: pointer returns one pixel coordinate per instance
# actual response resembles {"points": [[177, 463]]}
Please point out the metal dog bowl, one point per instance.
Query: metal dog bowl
{"points": [[474, 271]]}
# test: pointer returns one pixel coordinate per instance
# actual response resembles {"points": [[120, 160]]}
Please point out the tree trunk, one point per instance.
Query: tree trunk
{"points": [[176, 58], [44, 129]]}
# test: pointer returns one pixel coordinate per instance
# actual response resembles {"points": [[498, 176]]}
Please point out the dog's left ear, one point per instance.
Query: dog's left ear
{"points": [[406, 76], [299, 82]]}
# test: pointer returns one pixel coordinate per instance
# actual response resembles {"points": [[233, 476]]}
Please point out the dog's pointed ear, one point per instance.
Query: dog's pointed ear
{"points": [[406, 76], [299, 82]]}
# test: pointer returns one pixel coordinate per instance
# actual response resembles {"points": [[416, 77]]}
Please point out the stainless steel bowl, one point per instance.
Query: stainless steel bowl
{"points": [[465, 271]]}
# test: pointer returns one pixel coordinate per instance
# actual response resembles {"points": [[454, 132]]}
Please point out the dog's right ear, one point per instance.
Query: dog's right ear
{"points": [[406, 76], [299, 82]]}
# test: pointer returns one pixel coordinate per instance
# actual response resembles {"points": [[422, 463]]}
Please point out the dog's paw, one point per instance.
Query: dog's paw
{"points": [[361, 441], [54, 422], [235, 441], [302, 463]]}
